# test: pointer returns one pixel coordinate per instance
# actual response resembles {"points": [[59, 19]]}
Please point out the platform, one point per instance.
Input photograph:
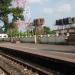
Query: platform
{"points": [[61, 52]]}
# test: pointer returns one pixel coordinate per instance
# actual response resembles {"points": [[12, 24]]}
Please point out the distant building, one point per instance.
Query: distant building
{"points": [[3, 35], [66, 27]]}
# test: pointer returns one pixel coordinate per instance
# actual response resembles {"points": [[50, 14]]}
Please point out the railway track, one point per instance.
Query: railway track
{"points": [[38, 65], [14, 66], [3, 71]]}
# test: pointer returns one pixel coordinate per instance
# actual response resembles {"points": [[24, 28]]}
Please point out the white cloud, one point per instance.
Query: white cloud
{"points": [[35, 1], [48, 10], [64, 8]]}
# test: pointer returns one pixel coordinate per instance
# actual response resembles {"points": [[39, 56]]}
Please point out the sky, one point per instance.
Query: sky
{"points": [[52, 10]]}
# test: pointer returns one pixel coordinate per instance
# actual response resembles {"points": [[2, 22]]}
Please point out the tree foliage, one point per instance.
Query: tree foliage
{"points": [[12, 30], [17, 13], [47, 30], [5, 9]]}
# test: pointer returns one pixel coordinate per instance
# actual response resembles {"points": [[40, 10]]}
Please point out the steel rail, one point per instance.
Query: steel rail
{"points": [[40, 64], [35, 68], [5, 71]]}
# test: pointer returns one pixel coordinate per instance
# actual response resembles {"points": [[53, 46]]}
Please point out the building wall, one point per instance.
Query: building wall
{"points": [[65, 31], [3, 36]]}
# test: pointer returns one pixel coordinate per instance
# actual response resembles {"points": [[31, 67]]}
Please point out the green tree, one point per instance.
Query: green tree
{"points": [[17, 13], [47, 30], [12, 30], [52, 32], [5, 9]]}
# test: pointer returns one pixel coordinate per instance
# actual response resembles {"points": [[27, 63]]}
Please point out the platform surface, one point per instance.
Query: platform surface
{"points": [[61, 52]]}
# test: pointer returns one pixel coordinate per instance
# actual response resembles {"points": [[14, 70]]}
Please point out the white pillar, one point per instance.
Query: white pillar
{"points": [[35, 37]]}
